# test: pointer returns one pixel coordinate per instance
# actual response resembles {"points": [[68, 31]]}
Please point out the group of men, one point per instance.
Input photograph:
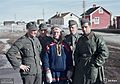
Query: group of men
{"points": [[88, 51]]}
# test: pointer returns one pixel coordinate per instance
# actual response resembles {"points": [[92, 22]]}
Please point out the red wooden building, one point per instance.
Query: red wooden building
{"points": [[99, 17]]}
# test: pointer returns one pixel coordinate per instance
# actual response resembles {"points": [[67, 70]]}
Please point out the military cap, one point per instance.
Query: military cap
{"points": [[42, 26], [31, 26], [83, 21], [72, 22]]}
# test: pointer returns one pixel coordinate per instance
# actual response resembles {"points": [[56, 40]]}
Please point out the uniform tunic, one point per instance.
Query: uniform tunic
{"points": [[29, 49], [71, 40], [90, 54]]}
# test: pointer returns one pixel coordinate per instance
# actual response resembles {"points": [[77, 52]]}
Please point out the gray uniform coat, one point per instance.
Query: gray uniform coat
{"points": [[30, 54], [90, 54], [72, 39]]}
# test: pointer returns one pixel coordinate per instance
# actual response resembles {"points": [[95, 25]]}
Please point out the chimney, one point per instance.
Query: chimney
{"points": [[60, 14], [94, 5], [57, 13]]}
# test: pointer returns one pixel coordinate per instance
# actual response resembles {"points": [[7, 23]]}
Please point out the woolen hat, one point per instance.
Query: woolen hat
{"points": [[42, 26], [56, 27], [83, 21], [31, 26], [72, 22]]}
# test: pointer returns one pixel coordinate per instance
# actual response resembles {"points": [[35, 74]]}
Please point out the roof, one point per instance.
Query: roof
{"points": [[91, 10], [9, 21], [60, 15], [41, 19]]}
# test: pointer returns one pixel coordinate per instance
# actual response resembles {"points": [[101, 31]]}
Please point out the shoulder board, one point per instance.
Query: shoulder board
{"points": [[96, 35], [22, 37]]}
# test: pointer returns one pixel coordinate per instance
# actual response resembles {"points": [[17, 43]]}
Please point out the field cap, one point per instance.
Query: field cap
{"points": [[43, 26], [31, 26], [72, 22], [83, 21]]}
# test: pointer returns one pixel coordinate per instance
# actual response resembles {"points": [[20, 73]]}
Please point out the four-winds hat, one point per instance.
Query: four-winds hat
{"points": [[42, 26], [83, 21], [56, 27], [31, 26], [72, 22]]}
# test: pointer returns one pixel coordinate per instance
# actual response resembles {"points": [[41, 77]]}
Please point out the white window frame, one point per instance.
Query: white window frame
{"points": [[96, 20]]}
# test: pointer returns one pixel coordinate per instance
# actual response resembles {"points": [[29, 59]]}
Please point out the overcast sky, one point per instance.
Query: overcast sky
{"points": [[27, 10]]}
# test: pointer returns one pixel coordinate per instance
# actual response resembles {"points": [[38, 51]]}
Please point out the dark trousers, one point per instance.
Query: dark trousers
{"points": [[32, 79]]}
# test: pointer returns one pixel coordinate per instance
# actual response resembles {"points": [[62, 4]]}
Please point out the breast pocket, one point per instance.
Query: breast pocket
{"points": [[27, 49]]}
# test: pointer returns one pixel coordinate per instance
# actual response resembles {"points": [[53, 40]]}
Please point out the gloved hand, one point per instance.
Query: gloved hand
{"points": [[48, 76], [69, 74]]}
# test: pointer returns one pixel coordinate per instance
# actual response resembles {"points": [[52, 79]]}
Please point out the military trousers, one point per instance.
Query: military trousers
{"points": [[32, 79]]}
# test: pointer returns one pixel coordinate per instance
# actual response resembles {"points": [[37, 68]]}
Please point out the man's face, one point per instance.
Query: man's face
{"points": [[56, 33], [73, 29], [86, 28], [43, 32], [32, 33]]}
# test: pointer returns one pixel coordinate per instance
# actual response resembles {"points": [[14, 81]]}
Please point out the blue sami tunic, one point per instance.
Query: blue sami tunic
{"points": [[58, 64]]}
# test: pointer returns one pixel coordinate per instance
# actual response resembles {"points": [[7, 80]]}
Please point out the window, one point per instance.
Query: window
{"points": [[100, 11], [96, 20]]}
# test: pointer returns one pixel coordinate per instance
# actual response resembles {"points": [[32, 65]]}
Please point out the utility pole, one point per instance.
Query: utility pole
{"points": [[84, 8], [43, 15]]}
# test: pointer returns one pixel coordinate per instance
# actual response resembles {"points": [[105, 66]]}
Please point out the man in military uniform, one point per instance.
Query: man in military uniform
{"points": [[90, 54], [44, 40], [29, 48], [72, 38], [43, 37]]}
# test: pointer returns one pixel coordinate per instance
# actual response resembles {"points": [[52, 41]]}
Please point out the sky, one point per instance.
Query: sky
{"points": [[31, 10]]}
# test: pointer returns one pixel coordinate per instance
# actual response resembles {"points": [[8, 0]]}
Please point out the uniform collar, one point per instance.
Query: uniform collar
{"points": [[90, 35], [75, 35], [26, 35]]}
